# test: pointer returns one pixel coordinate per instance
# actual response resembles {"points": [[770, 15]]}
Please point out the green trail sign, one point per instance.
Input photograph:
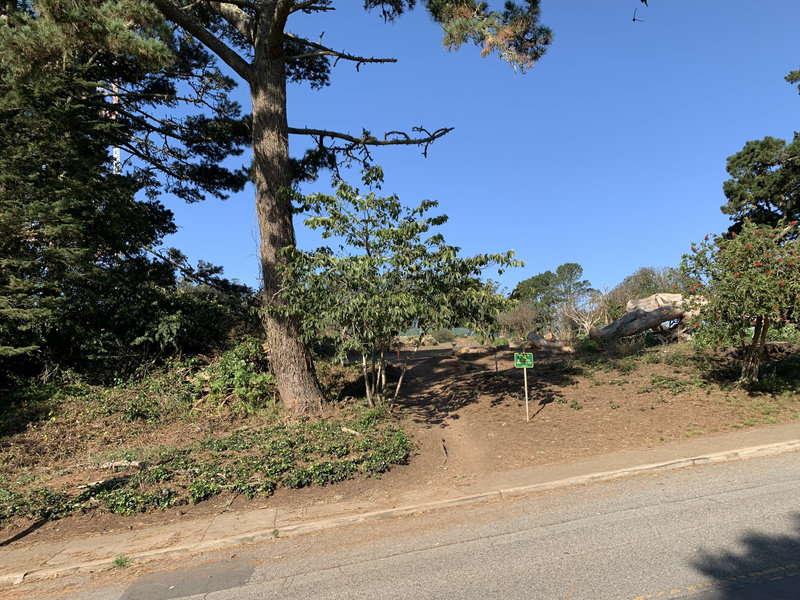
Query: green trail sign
{"points": [[523, 360]]}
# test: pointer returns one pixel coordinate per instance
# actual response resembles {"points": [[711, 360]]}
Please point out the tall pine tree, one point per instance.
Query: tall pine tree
{"points": [[253, 38]]}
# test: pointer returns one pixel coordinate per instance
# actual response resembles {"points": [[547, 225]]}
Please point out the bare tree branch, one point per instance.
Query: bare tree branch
{"points": [[311, 6], [360, 144], [325, 51]]}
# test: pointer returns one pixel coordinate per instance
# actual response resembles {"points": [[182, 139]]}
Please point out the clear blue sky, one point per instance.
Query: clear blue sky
{"points": [[610, 152]]}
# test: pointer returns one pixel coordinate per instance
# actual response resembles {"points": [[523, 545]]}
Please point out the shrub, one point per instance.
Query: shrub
{"points": [[429, 340], [587, 346], [443, 336], [241, 377], [787, 333]]}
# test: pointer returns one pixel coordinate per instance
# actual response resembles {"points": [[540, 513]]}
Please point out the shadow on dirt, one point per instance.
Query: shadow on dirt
{"points": [[440, 384], [17, 412], [21, 534], [430, 393], [779, 371], [766, 568]]}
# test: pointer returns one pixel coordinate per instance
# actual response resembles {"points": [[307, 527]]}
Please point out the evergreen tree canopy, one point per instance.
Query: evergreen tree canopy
{"points": [[794, 77], [254, 39], [550, 288], [132, 75], [546, 291], [765, 182], [78, 284]]}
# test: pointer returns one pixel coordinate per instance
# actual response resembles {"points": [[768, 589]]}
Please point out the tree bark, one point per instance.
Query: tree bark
{"points": [[755, 352], [294, 368], [367, 384], [403, 371], [636, 321]]}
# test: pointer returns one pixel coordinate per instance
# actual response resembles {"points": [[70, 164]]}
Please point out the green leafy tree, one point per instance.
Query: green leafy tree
{"points": [[550, 291], [743, 284], [539, 293], [387, 271], [253, 38]]}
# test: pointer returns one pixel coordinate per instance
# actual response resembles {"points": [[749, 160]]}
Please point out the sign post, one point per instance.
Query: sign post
{"points": [[523, 360]]}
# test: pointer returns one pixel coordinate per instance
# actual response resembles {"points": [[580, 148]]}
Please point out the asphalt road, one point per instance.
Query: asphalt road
{"points": [[717, 532]]}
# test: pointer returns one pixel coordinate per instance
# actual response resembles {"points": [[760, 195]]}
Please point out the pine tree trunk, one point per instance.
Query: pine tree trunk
{"points": [[291, 361]]}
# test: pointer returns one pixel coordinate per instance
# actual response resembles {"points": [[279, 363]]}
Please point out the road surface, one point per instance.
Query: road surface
{"points": [[716, 532]]}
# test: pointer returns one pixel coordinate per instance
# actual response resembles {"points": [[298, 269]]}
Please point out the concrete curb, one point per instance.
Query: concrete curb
{"points": [[719, 457], [390, 513]]}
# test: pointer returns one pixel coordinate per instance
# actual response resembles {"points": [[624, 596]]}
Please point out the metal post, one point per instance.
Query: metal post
{"points": [[525, 375]]}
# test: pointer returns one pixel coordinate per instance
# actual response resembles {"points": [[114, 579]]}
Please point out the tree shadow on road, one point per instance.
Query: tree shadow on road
{"points": [[767, 569]]}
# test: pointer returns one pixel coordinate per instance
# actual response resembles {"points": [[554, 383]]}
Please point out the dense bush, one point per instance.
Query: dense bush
{"points": [[241, 378], [443, 336]]}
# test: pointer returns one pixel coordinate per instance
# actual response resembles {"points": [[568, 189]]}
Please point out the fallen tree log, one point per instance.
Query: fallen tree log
{"points": [[537, 342], [648, 313], [655, 301]]}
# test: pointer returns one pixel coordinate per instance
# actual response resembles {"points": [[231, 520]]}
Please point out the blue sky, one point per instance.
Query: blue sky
{"points": [[610, 152]]}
